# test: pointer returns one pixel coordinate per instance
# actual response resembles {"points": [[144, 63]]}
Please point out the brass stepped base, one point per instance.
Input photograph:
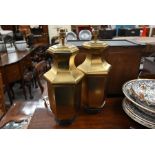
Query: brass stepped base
{"points": [[94, 110]]}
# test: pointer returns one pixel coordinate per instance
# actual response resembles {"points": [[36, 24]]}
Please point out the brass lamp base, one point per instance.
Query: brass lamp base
{"points": [[65, 122], [90, 110]]}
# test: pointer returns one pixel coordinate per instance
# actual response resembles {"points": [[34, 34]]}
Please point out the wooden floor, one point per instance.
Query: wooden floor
{"points": [[19, 96]]}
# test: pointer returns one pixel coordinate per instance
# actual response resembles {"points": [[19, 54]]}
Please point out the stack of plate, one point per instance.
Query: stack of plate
{"points": [[139, 103]]}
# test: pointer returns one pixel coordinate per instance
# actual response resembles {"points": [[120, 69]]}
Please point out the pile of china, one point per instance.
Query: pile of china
{"points": [[139, 101]]}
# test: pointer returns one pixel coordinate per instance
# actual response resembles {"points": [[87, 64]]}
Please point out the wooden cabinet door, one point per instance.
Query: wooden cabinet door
{"points": [[125, 63]]}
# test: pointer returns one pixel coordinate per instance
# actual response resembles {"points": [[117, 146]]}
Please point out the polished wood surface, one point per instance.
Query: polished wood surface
{"points": [[19, 111], [12, 57], [125, 63], [111, 117], [12, 65]]}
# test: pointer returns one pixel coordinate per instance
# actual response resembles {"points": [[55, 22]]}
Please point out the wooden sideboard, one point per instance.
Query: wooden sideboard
{"points": [[124, 56], [12, 66]]}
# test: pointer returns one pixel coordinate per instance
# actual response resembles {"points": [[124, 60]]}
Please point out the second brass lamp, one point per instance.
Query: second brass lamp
{"points": [[96, 71]]}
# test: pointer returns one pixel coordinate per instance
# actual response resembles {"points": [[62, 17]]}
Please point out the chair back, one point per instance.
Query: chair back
{"points": [[107, 34], [85, 35], [18, 36], [8, 39], [2, 46], [41, 68]]}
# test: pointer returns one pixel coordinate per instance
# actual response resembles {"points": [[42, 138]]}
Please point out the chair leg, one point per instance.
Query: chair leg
{"points": [[30, 92], [9, 94], [35, 82], [24, 90], [40, 85], [12, 93]]}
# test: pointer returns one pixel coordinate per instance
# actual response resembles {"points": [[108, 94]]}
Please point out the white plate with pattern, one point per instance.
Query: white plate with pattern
{"points": [[134, 113], [127, 90], [144, 91]]}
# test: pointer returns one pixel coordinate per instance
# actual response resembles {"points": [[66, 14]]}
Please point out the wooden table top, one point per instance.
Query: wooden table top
{"points": [[138, 40], [112, 117], [12, 57], [110, 42], [20, 111]]}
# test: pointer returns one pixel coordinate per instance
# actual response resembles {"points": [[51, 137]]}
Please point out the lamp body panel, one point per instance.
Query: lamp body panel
{"points": [[94, 91], [64, 100]]}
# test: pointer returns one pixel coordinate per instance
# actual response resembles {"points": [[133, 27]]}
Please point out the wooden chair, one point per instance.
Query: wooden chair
{"points": [[32, 77], [39, 53], [8, 40], [40, 69], [28, 81], [18, 36], [2, 101], [54, 40]]}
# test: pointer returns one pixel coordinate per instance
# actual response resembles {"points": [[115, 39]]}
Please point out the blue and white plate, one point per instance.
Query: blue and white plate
{"points": [[137, 115], [142, 105], [144, 90]]}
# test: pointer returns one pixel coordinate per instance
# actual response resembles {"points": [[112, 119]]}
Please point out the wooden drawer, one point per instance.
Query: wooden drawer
{"points": [[12, 73]]}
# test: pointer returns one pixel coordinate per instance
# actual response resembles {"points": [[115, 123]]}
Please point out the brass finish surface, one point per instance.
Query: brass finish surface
{"points": [[64, 81], [96, 71], [64, 69], [64, 100], [94, 63], [95, 44]]}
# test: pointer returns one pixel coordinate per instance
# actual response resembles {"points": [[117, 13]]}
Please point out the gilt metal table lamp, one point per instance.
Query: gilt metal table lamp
{"points": [[96, 71], [64, 82]]}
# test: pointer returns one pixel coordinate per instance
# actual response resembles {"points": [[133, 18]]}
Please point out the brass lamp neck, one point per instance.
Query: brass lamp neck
{"points": [[95, 34], [62, 35]]}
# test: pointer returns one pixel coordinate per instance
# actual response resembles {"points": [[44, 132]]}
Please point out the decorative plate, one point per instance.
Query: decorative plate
{"points": [[85, 35], [71, 36], [133, 112], [144, 91], [129, 94]]}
